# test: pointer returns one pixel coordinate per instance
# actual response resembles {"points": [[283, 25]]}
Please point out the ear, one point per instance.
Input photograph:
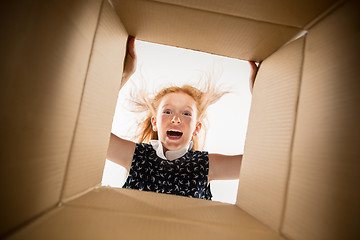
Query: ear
{"points": [[197, 128], [153, 122]]}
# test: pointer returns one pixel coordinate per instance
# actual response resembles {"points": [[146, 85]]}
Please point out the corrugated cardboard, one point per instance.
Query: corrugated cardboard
{"points": [[98, 105], [296, 13], [45, 49], [265, 167], [324, 185], [205, 31], [131, 214], [54, 143]]}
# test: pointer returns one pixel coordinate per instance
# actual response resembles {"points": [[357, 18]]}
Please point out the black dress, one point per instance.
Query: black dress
{"points": [[185, 176]]}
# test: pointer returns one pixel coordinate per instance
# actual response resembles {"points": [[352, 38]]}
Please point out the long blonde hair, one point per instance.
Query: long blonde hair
{"points": [[203, 100]]}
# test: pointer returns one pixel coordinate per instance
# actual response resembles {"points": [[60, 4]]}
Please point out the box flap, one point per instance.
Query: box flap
{"points": [[132, 214], [200, 30], [324, 184], [135, 202], [266, 161], [296, 13], [45, 48], [102, 84]]}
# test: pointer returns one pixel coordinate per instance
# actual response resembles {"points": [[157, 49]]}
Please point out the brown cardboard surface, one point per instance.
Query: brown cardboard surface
{"points": [[296, 13], [202, 30], [51, 89], [324, 187], [98, 103], [45, 47], [265, 165], [132, 214], [136, 202]]}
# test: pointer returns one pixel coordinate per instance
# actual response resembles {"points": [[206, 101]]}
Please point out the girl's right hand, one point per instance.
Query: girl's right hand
{"points": [[130, 60], [253, 71]]}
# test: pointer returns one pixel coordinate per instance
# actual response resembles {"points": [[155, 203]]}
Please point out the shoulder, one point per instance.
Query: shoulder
{"points": [[142, 145], [143, 149], [202, 157], [198, 154]]}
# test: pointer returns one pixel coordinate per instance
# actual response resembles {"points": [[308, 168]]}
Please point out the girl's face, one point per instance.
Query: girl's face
{"points": [[176, 120]]}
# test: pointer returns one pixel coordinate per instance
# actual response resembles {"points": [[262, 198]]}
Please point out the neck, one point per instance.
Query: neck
{"points": [[165, 153]]}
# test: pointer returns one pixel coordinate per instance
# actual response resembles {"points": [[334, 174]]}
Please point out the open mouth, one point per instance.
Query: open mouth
{"points": [[174, 134]]}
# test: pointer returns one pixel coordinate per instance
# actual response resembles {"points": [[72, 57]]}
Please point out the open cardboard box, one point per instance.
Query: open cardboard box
{"points": [[61, 68]]}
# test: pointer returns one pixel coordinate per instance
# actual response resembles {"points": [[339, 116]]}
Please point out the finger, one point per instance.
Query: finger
{"points": [[252, 64], [131, 46]]}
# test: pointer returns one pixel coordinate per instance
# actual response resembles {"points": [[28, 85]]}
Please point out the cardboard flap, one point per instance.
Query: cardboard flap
{"points": [[200, 30], [45, 49], [324, 184], [296, 13], [131, 214], [101, 88], [265, 165]]}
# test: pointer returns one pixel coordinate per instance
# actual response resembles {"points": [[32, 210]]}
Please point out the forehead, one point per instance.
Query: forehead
{"points": [[178, 99]]}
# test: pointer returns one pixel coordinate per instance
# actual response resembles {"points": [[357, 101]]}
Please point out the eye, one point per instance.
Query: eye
{"points": [[167, 112], [187, 114]]}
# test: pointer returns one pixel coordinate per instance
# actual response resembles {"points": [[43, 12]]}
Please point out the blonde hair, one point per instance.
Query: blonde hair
{"points": [[203, 100]]}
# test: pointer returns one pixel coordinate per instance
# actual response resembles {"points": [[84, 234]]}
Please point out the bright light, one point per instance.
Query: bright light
{"points": [[163, 66]]}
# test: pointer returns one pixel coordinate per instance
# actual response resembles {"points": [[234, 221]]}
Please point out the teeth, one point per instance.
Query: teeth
{"points": [[173, 130], [174, 133]]}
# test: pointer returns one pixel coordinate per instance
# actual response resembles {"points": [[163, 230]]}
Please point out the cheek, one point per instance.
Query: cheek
{"points": [[191, 123], [163, 119]]}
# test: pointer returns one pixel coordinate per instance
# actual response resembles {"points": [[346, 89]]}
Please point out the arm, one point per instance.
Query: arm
{"points": [[121, 151], [222, 167], [130, 61]]}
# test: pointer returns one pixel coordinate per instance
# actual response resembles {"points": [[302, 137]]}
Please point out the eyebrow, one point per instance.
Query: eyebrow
{"points": [[166, 105]]}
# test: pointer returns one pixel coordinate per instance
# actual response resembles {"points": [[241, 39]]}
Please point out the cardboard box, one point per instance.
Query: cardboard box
{"points": [[61, 68]]}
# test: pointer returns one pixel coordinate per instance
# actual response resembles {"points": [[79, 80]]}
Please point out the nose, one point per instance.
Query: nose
{"points": [[176, 119]]}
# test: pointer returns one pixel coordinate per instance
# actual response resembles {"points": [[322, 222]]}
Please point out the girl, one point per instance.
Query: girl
{"points": [[169, 161]]}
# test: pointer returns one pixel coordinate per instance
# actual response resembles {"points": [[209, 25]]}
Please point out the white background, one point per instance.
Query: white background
{"points": [[162, 66]]}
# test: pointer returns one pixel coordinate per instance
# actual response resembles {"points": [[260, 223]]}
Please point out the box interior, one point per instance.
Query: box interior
{"points": [[61, 77]]}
